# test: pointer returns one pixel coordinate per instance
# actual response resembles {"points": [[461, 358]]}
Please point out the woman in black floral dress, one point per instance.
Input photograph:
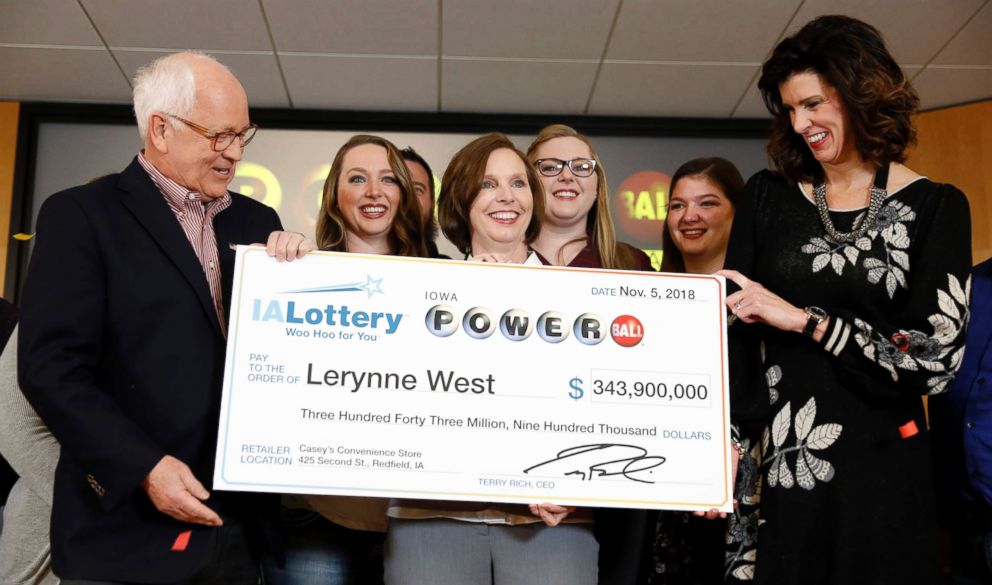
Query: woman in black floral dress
{"points": [[863, 268]]}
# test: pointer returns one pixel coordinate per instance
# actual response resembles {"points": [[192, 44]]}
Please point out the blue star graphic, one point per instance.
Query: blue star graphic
{"points": [[372, 285]]}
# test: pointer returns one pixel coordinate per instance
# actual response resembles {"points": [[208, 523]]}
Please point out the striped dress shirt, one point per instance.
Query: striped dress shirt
{"points": [[196, 217]]}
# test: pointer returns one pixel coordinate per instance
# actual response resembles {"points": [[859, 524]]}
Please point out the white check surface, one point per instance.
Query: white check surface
{"points": [[337, 383]]}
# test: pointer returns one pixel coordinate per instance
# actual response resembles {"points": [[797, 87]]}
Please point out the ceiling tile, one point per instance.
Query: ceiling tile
{"points": [[973, 45], [69, 75], [46, 22], [516, 86], [752, 106], [669, 90], [576, 29], [383, 27], [233, 25], [945, 87], [699, 30], [259, 74], [361, 83], [914, 30], [544, 53]]}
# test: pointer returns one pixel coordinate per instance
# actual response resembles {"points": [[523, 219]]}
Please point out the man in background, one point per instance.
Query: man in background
{"points": [[423, 186]]}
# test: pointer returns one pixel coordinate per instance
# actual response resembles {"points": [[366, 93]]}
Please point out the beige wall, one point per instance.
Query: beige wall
{"points": [[8, 153], [955, 146]]}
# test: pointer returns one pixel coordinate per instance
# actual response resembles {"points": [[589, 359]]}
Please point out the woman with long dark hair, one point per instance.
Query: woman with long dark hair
{"points": [[854, 279], [702, 199]]}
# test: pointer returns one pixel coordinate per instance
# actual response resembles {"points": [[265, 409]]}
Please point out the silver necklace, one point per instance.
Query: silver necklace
{"points": [[875, 202]]}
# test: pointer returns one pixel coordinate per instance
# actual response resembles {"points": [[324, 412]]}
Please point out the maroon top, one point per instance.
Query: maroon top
{"points": [[588, 257]]}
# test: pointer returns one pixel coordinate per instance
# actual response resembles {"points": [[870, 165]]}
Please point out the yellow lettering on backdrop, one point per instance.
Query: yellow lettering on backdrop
{"points": [[272, 193], [319, 175], [644, 206], [628, 200]]}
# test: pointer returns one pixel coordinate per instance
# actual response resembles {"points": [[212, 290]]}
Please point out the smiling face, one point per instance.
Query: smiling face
{"points": [[699, 217], [818, 115], [368, 193], [185, 156], [502, 210], [568, 199]]}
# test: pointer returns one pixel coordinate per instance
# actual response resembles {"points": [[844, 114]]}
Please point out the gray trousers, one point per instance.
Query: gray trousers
{"points": [[452, 552]]}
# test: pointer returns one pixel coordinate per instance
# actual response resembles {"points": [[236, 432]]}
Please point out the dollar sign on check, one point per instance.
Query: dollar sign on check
{"points": [[576, 392]]}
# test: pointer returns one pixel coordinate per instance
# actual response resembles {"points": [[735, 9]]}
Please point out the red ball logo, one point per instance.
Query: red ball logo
{"points": [[627, 331]]}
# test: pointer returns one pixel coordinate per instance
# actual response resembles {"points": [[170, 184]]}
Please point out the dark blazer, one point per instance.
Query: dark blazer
{"points": [[122, 355]]}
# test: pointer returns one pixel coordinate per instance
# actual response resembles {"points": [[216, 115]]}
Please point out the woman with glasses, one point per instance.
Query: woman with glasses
{"points": [[577, 230], [369, 206], [489, 207], [577, 227]]}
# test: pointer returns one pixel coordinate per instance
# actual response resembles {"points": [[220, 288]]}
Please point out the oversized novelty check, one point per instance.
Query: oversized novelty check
{"points": [[415, 378]]}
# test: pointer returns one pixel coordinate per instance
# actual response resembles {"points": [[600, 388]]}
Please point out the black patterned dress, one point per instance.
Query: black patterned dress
{"points": [[847, 492]]}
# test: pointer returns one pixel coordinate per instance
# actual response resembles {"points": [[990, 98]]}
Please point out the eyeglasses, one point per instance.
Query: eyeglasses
{"points": [[552, 167], [221, 141]]}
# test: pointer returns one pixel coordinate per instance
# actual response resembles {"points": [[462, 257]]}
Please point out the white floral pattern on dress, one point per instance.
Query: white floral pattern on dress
{"points": [[936, 353], [809, 467], [742, 525], [891, 225], [773, 375]]}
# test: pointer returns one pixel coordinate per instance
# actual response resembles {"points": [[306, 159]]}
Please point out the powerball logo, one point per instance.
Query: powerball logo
{"points": [[518, 325]]}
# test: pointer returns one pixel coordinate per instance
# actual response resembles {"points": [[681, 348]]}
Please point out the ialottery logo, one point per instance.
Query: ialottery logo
{"points": [[518, 325], [334, 315], [340, 315]]}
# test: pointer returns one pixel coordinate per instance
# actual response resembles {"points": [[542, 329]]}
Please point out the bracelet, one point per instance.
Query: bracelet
{"points": [[741, 451]]}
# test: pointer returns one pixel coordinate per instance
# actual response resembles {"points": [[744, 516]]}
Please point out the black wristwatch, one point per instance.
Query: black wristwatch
{"points": [[814, 316]]}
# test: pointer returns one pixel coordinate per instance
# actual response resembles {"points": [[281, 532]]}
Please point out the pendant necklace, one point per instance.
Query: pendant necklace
{"points": [[875, 202]]}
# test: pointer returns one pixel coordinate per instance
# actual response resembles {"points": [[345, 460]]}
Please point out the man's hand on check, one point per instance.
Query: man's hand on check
{"points": [[288, 246], [551, 514], [175, 491]]}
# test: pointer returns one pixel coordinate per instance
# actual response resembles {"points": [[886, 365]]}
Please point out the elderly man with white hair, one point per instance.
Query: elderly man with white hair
{"points": [[122, 340]]}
